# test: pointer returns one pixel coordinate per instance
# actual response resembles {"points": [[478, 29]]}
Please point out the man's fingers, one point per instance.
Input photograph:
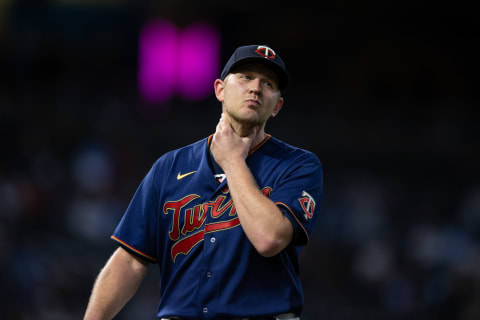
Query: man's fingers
{"points": [[221, 123]]}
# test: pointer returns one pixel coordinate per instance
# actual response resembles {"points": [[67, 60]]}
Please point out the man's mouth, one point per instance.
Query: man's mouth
{"points": [[253, 102]]}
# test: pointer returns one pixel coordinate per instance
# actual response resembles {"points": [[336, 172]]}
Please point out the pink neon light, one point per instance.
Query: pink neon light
{"points": [[157, 61], [177, 61], [199, 49]]}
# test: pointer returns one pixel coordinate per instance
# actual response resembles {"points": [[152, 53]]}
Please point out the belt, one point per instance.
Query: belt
{"points": [[254, 318], [280, 317]]}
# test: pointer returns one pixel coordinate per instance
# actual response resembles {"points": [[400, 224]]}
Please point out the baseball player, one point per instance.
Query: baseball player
{"points": [[225, 217]]}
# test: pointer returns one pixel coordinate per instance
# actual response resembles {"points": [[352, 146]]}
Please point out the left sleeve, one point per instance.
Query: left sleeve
{"points": [[137, 231], [299, 195]]}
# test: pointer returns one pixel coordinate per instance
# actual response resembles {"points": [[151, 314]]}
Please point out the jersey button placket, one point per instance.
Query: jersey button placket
{"points": [[208, 286]]}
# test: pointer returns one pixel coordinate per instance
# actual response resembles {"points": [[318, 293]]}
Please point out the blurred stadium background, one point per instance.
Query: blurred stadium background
{"points": [[383, 92]]}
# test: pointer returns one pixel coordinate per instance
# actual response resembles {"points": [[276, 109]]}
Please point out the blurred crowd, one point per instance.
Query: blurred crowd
{"points": [[396, 130]]}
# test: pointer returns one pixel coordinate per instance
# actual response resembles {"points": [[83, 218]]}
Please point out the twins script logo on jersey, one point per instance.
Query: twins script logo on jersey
{"points": [[187, 234], [266, 52], [308, 205]]}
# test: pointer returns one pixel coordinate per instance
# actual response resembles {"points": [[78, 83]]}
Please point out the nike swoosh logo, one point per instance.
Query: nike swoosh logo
{"points": [[181, 176]]}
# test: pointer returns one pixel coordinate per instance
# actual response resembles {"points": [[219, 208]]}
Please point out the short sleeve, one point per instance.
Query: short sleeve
{"points": [[299, 194], [137, 230]]}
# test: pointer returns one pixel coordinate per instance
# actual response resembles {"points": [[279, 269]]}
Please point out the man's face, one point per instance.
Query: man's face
{"points": [[250, 94]]}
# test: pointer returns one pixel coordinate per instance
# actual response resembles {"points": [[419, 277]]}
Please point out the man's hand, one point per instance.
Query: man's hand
{"points": [[227, 146]]}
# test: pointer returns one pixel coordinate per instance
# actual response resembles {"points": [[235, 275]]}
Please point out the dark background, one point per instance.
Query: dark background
{"points": [[384, 93]]}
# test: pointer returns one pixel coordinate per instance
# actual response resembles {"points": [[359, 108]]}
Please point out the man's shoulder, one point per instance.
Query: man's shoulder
{"points": [[189, 152], [291, 151], [197, 146]]}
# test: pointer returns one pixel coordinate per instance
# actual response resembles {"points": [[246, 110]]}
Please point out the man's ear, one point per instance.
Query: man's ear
{"points": [[277, 108], [219, 86]]}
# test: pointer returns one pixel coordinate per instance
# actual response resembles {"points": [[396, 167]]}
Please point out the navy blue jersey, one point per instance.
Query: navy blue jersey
{"points": [[183, 218]]}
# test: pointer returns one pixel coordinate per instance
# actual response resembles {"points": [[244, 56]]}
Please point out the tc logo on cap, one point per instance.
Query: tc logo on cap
{"points": [[265, 52]]}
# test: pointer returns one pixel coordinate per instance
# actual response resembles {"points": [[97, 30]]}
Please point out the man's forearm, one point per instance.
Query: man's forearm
{"points": [[267, 228], [115, 285]]}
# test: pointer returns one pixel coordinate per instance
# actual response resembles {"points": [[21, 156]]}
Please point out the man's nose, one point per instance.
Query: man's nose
{"points": [[255, 86]]}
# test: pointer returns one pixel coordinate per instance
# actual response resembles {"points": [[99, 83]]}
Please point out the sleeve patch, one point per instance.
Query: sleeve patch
{"points": [[308, 205]]}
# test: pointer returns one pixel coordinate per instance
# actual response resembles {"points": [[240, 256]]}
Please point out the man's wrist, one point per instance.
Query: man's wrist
{"points": [[233, 165]]}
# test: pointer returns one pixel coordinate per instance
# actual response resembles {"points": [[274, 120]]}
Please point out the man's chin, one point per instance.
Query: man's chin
{"points": [[247, 118], [250, 121]]}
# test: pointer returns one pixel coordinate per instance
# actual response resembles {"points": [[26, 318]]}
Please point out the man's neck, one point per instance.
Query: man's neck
{"points": [[243, 130]]}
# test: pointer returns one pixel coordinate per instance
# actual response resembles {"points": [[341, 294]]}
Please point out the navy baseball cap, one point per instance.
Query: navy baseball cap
{"points": [[262, 54]]}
